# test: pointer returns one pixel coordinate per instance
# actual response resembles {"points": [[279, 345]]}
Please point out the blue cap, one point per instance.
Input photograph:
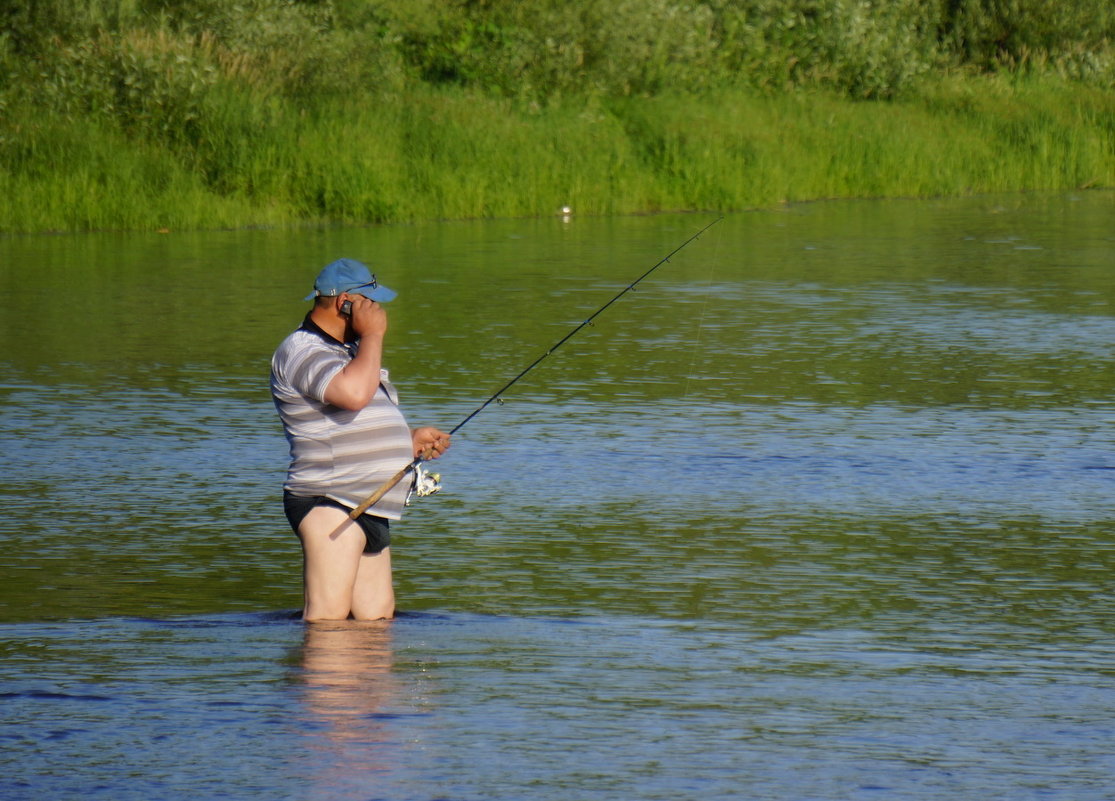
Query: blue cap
{"points": [[349, 275]]}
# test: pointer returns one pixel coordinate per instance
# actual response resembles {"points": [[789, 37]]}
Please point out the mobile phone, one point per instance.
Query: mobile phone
{"points": [[346, 308]]}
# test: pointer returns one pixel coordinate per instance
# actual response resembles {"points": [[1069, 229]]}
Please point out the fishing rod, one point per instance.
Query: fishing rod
{"points": [[413, 466]]}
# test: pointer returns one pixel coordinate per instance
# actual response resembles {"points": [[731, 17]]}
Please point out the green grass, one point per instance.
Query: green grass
{"points": [[141, 115], [453, 153]]}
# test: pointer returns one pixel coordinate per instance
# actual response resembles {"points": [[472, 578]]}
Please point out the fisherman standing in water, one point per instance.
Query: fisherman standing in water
{"points": [[347, 437]]}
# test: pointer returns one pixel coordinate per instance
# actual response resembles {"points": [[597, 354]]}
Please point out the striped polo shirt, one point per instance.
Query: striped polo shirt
{"points": [[343, 455]]}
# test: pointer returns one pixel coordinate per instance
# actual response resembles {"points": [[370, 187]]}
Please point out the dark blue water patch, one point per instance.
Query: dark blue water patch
{"points": [[48, 695], [246, 619]]}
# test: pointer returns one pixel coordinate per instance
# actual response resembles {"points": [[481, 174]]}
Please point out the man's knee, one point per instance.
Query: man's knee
{"points": [[384, 612], [312, 615]]}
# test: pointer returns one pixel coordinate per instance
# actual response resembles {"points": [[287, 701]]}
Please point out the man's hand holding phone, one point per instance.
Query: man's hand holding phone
{"points": [[368, 318]]}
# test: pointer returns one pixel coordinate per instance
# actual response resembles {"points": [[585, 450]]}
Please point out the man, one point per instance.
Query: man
{"points": [[347, 437]]}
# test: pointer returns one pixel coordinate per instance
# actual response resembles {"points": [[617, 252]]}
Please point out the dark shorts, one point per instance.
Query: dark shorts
{"points": [[377, 534]]}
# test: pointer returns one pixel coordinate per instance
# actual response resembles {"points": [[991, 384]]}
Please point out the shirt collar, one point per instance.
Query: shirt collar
{"points": [[310, 326]]}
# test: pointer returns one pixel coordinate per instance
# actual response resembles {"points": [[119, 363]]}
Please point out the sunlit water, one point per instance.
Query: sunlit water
{"points": [[823, 510]]}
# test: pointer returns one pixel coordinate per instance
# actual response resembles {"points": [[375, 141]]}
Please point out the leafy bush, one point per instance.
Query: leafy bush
{"points": [[541, 50], [35, 26], [1074, 37], [859, 47], [297, 49], [625, 47]]}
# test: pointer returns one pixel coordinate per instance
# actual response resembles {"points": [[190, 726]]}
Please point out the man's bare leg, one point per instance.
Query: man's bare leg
{"points": [[373, 595], [332, 546]]}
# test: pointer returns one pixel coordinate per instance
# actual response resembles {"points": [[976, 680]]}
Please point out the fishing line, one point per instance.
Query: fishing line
{"points": [[414, 465]]}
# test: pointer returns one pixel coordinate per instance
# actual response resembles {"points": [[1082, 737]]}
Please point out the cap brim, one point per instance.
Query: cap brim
{"points": [[380, 293]]}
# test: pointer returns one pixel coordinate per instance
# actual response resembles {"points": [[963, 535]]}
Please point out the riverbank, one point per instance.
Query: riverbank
{"points": [[457, 153]]}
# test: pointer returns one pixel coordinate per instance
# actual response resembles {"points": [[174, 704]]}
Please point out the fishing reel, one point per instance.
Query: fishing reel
{"points": [[425, 483]]}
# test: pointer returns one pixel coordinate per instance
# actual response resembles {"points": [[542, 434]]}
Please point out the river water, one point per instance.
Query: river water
{"points": [[823, 510]]}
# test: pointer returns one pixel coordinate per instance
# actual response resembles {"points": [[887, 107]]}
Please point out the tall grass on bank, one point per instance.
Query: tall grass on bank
{"points": [[204, 113], [455, 153], [964, 136]]}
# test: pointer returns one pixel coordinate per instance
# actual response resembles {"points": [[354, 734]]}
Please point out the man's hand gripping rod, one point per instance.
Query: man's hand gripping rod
{"points": [[410, 468]]}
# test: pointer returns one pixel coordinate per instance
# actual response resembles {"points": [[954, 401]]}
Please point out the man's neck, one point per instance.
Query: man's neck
{"points": [[329, 322]]}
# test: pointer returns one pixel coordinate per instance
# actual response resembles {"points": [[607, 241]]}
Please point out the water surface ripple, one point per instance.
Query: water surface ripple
{"points": [[822, 511]]}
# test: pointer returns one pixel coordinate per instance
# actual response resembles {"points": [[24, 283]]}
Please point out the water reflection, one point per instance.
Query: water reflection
{"points": [[348, 695]]}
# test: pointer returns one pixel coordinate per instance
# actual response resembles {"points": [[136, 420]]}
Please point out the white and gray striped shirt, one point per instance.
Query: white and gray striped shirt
{"points": [[343, 455]]}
